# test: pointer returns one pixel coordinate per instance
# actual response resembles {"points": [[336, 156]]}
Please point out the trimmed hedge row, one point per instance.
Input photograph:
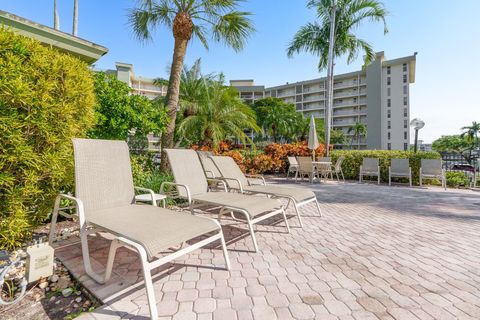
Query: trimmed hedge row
{"points": [[354, 158]]}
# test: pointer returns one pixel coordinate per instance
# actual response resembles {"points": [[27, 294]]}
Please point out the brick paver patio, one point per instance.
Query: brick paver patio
{"points": [[378, 252]]}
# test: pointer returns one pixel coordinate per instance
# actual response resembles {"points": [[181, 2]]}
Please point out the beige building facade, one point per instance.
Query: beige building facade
{"points": [[377, 96]]}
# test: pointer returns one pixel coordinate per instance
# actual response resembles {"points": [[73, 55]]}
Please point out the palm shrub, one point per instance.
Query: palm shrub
{"points": [[353, 161], [46, 98]]}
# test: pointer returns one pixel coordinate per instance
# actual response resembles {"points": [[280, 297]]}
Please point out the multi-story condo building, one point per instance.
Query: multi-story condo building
{"points": [[248, 91], [377, 96]]}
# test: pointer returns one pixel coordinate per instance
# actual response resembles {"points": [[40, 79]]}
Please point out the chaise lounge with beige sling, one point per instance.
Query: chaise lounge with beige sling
{"points": [[237, 180], [192, 185], [104, 201]]}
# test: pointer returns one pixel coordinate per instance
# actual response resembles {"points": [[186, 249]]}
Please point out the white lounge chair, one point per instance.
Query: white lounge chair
{"points": [[370, 167], [192, 185], [306, 168], [432, 169], [105, 201], [208, 167], [399, 168], [255, 184], [292, 165]]}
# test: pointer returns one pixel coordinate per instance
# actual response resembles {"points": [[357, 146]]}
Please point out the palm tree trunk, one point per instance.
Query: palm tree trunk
{"points": [[358, 141], [75, 18], [173, 94], [56, 19]]}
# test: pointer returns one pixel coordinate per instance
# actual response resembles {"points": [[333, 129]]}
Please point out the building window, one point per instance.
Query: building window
{"points": [[405, 89], [389, 135], [389, 114], [354, 100], [389, 124], [404, 67], [389, 146], [404, 78], [389, 70], [389, 102], [405, 101], [405, 146], [405, 112], [405, 135], [389, 81], [389, 92], [405, 124]]}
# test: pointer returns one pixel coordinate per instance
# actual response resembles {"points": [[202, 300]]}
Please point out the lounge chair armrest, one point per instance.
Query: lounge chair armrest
{"points": [[220, 181], [256, 177], [78, 206], [236, 181], [209, 174], [149, 191], [177, 185]]}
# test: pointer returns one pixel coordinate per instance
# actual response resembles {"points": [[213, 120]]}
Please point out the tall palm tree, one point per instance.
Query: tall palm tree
{"points": [[471, 132], [220, 114], [187, 19], [358, 129], [349, 14], [75, 18], [56, 18]]}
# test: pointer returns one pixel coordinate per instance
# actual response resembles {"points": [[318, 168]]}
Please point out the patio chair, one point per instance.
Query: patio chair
{"points": [[209, 168], [399, 168], [105, 201], [432, 169], [237, 180], [306, 168], [292, 165], [192, 184], [370, 167], [337, 168]]}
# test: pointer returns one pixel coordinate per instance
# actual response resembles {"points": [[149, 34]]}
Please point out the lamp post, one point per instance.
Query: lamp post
{"points": [[417, 124]]}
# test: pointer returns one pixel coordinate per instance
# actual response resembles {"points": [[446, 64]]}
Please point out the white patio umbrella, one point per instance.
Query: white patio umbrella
{"points": [[312, 137]]}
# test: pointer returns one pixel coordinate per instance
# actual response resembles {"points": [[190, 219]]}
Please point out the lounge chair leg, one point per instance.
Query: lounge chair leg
{"points": [[252, 234], [286, 221], [224, 249], [86, 256], [343, 177], [298, 214], [53, 224], [147, 278], [111, 257], [318, 207]]}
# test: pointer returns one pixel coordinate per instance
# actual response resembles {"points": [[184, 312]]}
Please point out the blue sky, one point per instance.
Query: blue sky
{"points": [[446, 36]]}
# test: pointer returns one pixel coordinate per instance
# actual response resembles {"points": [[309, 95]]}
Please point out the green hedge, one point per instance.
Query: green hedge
{"points": [[354, 158], [46, 98]]}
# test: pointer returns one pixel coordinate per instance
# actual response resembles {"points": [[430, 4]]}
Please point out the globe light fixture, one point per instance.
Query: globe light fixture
{"points": [[416, 124]]}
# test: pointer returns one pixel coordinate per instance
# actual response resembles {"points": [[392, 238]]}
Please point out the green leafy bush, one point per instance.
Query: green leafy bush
{"points": [[118, 112], [353, 161], [457, 179], [46, 98]]}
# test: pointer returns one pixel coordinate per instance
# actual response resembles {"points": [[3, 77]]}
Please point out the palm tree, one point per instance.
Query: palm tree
{"points": [[75, 18], [358, 130], [349, 14], [56, 19], [187, 19], [220, 114], [471, 132]]}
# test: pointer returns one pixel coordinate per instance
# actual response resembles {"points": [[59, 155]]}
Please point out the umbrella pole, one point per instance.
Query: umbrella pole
{"points": [[313, 154]]}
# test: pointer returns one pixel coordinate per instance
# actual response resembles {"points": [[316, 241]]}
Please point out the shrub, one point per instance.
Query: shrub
{"points": [[46, 98], [118, 112], [457, 179], [354, 158]]}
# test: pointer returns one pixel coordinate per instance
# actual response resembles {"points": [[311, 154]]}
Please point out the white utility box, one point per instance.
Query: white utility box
{"points": [[39, 262]]}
